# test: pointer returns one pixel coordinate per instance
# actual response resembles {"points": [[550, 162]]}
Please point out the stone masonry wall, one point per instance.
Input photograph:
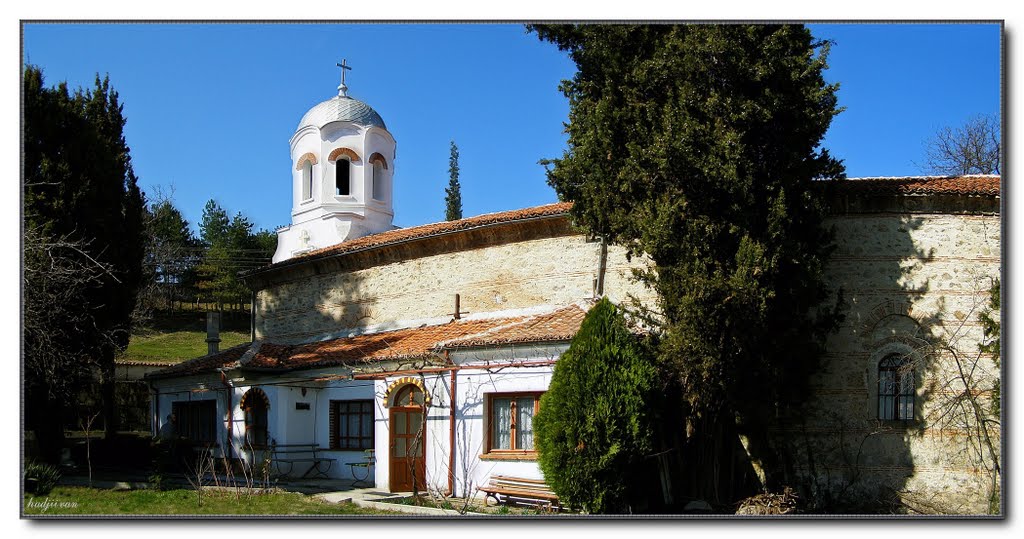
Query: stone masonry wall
{"points": [[547, 271], [909, 281]]}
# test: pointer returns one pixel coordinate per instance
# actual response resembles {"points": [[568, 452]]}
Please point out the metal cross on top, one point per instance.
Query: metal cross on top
{"points": [[344, 67], [342, 89]]}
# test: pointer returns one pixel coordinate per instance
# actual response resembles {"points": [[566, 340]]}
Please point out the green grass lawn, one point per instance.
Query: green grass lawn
{"points": [[90, 501], [177, 346]]}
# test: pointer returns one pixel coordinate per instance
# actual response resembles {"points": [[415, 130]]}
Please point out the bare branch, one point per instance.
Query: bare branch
{"points": [[973, 148]]}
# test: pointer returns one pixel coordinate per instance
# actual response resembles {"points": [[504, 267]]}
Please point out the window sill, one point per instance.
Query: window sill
{"points": [[513, 456], [307, 201]]}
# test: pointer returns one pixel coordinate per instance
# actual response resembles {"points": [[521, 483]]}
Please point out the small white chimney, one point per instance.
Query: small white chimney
{"points": [[212, 332]]}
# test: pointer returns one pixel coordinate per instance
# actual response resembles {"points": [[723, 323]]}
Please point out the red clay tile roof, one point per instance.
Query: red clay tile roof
{"points": [[433, 229], [225, 358], [984, 185], [560, 325], [424, 341], [398, 344]]}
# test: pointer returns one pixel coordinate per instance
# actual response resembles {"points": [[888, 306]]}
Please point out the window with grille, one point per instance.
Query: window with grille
{"points": [[196, 420], [352, 425], [511, 421], [895, 388]]}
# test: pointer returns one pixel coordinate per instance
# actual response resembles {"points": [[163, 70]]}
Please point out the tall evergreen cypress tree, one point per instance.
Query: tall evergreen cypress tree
{"points": [[453, 194], [80, 187], [698, 146]]}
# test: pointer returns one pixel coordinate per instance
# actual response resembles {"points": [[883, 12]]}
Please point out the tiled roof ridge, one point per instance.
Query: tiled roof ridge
{"points": [[254, 349], [969, 185], [927, 177], [142, 363], [184, 366]]}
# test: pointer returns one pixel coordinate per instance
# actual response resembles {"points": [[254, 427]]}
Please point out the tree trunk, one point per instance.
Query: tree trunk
{"points": [[107, 394], [764, 459], [45, 418]]}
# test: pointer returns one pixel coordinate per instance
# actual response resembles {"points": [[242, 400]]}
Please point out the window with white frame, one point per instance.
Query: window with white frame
{"points": [[510, 421], [895, 388]]}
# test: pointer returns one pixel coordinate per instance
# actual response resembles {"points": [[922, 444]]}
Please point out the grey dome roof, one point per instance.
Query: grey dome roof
{"points": [[342, 109]]}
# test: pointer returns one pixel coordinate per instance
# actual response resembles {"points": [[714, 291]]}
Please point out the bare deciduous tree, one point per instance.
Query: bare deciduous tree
{"points": [[972, 148], [57, 326]]}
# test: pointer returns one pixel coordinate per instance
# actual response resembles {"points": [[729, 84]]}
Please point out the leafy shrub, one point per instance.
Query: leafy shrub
{"points": [[40, 478], [595, 422]]}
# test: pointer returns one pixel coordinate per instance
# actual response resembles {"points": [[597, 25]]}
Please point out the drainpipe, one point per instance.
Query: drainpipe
{"points": [[231, 415], [155, 392], [451, 431], [601, 266], [252, 318]]}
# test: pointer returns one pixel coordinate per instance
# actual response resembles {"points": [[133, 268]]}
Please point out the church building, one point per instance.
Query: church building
{"points": [[429, 347]]}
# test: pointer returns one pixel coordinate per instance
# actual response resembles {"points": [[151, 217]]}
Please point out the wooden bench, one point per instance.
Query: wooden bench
{"points": [[368, 460], [520, 490], [292, 454]]}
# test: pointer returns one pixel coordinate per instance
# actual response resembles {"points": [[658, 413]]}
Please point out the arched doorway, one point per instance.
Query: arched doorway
{"points": [[406, 462], [254, 405]]}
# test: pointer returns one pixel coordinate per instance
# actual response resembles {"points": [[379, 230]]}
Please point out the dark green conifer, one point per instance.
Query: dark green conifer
{"points": [[453, 193], [595, 423]]}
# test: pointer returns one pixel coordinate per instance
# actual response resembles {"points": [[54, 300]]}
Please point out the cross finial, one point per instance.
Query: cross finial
{"points": [[342, 89]]}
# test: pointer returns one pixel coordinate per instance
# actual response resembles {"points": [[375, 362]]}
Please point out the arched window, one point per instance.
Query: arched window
{"points": [[895, 388], [378, 181], [255, 405], [409, 395], [379, 166], [307, 180], [342, 177]]}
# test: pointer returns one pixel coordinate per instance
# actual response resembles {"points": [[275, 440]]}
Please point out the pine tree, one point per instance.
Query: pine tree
{"points": [[170, 255], [453, 194], [697, 145], [229, 247]]}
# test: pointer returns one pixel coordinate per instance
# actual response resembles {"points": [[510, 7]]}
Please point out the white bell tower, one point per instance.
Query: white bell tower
{"points": [[343, 165]]}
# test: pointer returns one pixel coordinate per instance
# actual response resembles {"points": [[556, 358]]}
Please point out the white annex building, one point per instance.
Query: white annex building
{"points": [[432, 345]]}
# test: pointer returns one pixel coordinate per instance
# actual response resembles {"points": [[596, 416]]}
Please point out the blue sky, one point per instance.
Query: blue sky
{"points": [[211, 107]]}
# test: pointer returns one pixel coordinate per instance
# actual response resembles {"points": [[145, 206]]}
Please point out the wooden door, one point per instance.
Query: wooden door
{"points": [[406, 454]]}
